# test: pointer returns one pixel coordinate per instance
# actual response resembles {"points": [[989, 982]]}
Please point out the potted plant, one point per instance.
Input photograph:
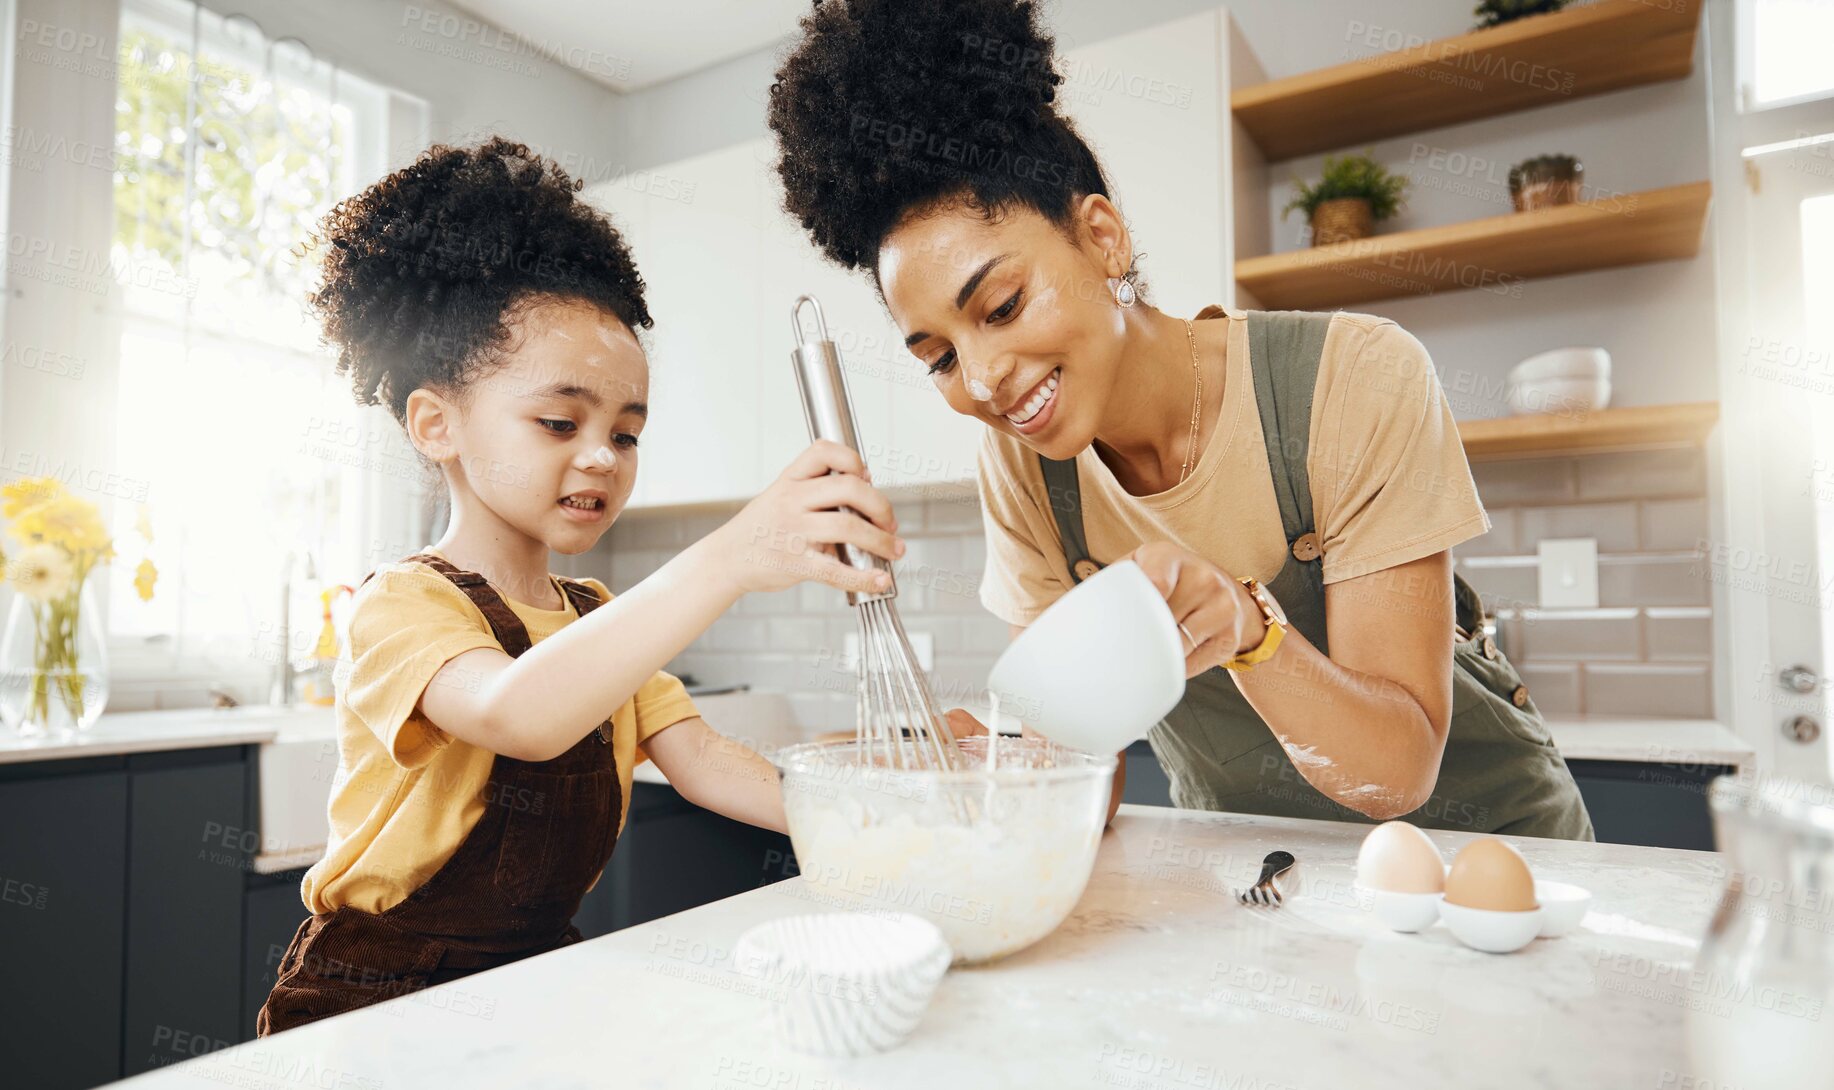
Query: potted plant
{"points": [[1544, 181], [1497, 12], [53, 658], [1354, 194]]}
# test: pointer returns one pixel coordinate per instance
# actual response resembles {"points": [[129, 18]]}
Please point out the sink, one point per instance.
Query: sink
{"points": [[293, 784]]}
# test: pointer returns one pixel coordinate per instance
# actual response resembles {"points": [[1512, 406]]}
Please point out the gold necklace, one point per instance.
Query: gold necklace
{"points": [[1197, 404]]}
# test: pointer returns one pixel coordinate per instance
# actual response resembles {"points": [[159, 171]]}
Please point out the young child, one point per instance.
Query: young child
{"points": [[493, 711]]}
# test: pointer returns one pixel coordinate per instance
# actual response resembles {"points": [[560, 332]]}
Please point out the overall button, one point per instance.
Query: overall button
{"points": [[1305, 547], [1520, 697], [1085, 568], [1489, 648]]}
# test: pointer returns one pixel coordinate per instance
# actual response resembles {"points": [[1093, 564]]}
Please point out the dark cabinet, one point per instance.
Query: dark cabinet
{"points": [[1631, 802], [63, 881], [189, 847], [272, 911], [1636, 802], [673, 856], [121, 884]]}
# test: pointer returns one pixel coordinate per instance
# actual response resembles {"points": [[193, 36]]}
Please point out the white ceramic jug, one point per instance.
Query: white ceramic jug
{"points": [[1098, 668]]}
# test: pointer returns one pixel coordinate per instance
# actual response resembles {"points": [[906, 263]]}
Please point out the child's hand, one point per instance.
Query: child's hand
{"points": [[788, 533], [963, 724]]}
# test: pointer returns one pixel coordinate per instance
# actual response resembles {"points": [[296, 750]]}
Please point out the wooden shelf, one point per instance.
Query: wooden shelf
{"points": [[1491, 253], [1583, 50], [1642, 427]]}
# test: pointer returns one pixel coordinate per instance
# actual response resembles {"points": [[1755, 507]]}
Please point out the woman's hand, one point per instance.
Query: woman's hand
{"points": [[1216, 617], [789, 532]]}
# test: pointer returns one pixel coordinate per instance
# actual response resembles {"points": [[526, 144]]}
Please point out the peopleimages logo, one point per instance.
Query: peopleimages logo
{"points": [[972, 157]]}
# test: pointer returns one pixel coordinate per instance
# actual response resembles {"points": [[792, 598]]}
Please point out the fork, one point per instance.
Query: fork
{"points": [[1264, 891]]}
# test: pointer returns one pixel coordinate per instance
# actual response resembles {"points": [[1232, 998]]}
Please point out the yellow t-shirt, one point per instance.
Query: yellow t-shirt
{"points": [[1389, 478], [407, 793]]}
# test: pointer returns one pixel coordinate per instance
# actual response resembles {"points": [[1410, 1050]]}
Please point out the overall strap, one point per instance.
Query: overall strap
{"points": [[584, 598], [1062, 487], [1284, 348], [504, 623]]}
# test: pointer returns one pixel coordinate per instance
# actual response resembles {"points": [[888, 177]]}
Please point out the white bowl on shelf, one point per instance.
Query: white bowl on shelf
{"points": [[1491, 931], [1562, 381], [845, 983], [1563, 363]]}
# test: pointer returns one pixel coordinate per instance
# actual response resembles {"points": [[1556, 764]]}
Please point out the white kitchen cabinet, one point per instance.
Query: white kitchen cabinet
{"points": [[702, 270], [1154, 106]]}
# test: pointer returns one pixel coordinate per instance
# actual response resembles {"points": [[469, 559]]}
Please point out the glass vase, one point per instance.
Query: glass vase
{"points": [[53, 665]]}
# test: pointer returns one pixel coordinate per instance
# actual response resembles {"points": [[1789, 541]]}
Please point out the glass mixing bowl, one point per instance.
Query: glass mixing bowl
{"points": [[995, 859]]}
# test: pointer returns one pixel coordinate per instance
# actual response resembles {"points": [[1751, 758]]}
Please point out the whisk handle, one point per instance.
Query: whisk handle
{"points": [[827, 408]]}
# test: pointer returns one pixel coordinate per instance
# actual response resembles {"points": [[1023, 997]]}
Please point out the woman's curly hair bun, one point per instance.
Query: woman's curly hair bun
{"points": [[886, 107]]}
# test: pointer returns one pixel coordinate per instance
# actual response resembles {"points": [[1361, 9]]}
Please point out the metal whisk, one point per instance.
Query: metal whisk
{"points": [[895, 722]]}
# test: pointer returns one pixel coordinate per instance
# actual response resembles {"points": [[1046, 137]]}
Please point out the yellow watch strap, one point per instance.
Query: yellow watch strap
{"points": [[1270, 640], [1269, 644]]}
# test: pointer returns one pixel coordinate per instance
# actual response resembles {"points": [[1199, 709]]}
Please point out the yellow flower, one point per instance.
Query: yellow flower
{"points": [[40, 572], [66, 521], [144, 577], [28, 492]]}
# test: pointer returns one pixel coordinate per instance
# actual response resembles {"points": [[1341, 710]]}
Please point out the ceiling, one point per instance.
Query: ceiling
{"points": [[628, 45]]}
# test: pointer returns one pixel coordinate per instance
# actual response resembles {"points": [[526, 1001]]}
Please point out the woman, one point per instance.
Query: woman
{"points": [[1347, 675]]}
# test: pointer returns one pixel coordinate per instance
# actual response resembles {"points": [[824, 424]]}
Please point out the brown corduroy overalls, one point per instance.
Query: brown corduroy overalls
{"points": [[511, 889]]}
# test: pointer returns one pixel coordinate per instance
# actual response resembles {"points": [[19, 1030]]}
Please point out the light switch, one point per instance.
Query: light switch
{"points": [[1569, 572]]}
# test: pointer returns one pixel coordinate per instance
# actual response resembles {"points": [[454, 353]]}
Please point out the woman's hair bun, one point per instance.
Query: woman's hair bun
{"points": [[887, 106]]}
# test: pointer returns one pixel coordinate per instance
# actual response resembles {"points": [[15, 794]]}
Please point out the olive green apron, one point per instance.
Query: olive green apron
{"points": [[1501, 772]]}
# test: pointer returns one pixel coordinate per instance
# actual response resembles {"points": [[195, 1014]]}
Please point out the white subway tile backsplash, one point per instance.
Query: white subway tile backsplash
{"points": [[1685, 634], [1673, 524], [1580, 635], [1651, 580], [1553, 686], [1613, 525], [1642, 474], [1500, 541], [1677, 691], [1503, 586], [794, 632], [1533, 480], [952, 514]]}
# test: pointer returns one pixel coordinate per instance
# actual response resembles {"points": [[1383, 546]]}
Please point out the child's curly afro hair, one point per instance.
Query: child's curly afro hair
{"points": [[887, 108], [423, 269]]}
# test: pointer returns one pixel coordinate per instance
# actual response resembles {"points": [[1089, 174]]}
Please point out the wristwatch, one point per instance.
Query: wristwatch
{"points": [[1276, 629]]}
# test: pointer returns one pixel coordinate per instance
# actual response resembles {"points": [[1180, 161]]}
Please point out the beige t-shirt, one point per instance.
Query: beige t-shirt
{"points": [[1389, 478]]}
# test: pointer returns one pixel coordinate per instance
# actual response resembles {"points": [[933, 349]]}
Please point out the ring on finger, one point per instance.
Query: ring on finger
{"points": [[1188, 636]]}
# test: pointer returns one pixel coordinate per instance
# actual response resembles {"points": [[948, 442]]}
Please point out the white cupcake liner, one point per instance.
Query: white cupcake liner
{"points": [[845, 983]]}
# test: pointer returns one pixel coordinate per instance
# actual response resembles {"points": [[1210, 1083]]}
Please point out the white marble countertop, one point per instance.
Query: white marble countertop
{"points": [[179, 728], [1688, 742], [1159, 980]]}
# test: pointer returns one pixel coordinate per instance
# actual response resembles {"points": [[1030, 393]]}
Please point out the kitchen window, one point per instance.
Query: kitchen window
{"points": [[229, 147]]}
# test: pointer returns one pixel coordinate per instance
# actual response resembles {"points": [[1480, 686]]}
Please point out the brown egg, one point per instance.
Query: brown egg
{"points": [[1491, 874]]}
